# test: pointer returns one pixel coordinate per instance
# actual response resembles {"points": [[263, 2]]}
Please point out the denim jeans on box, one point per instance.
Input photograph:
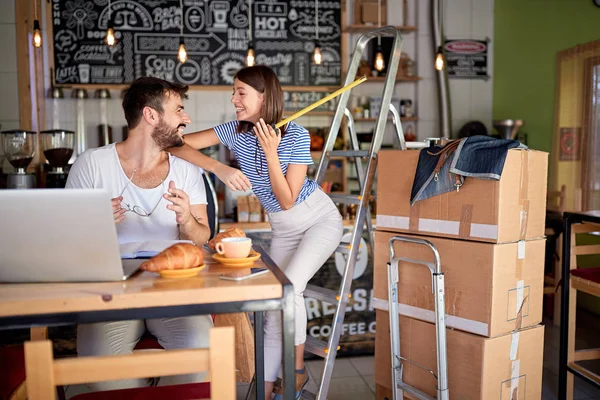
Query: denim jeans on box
{"points": [[476, 156]]}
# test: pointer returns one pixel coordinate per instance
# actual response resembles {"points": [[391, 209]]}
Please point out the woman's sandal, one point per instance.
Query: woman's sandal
{"points": [[301, 381]]}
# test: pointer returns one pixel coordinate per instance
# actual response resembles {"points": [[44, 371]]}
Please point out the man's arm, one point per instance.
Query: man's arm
{"points": [[196, 228]]}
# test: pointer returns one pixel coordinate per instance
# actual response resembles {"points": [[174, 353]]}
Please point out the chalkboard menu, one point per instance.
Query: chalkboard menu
{"points": [[215, 35]]}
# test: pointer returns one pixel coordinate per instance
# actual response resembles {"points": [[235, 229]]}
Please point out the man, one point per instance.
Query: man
{"points": [[156, 196]]}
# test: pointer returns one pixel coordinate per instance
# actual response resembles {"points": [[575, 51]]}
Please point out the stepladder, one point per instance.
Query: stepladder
{"points": [[366, 164], [399, 387]]}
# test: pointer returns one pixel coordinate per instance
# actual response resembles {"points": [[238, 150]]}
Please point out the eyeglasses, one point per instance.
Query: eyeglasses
{"points": [[138, 209]]}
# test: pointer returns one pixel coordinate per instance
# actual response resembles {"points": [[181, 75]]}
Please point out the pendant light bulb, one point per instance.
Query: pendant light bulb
{"points": [[37, 34], [182, 55], [379, 61], [439, 60], [317, 55], [110, 39], [250, 56]]}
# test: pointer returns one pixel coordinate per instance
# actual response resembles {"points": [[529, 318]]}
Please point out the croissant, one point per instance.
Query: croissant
{"points": [[178, 256], [230, 232]]}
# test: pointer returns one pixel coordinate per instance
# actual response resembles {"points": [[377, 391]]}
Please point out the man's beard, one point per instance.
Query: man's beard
{"points": [[164, 136]]}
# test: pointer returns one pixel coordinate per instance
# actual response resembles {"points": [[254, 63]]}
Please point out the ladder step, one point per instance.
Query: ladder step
{"points": [[345, 198], [343, 248], [349, 153], [316, 346], [415, 392], [419, 262], [321, 293]]}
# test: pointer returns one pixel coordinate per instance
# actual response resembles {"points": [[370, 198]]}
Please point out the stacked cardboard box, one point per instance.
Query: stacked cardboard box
{"points": [[490, 238], [249, 209]]}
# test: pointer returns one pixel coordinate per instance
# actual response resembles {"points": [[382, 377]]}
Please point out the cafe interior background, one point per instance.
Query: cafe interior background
{"points": [[537, 62]]}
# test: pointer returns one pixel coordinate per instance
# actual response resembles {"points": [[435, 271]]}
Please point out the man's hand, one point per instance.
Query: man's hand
{"points": [[181, 204], [118, 211], [233, 178]]}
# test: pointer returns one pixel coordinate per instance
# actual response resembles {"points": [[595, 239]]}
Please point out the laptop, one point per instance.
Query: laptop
{"points": [[60, 235]]}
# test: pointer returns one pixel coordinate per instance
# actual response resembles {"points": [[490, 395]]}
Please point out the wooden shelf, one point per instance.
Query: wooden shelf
{"points": [[366, 28], [398, 79], [402, 119]]}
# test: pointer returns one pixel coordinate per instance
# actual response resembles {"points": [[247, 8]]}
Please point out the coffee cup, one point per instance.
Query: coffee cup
{"points": [[234, 247]]}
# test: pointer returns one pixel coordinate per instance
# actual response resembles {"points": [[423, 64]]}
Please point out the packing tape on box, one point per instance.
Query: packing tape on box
{"points": [[514, 379], [514, 345], [521, 244], [416, 224], [519, 304], [463, 324], [466, 214], [523, 192], [413, 223]]}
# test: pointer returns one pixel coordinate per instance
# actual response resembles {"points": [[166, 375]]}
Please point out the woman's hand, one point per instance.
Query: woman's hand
{"points": [[233, 178], [268, 138]]}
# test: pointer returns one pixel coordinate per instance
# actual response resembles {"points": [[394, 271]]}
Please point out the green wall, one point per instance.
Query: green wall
{"points": [[527, 36]]}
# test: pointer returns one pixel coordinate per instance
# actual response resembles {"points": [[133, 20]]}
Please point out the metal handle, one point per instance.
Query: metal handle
{"points": [[435, 268]]}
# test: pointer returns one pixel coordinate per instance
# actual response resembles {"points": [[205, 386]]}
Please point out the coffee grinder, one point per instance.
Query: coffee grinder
{"points": [[57, 145], [19, 149]]}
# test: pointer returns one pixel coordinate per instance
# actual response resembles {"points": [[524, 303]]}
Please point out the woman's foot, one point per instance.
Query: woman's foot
{"points": [[301, 381]]}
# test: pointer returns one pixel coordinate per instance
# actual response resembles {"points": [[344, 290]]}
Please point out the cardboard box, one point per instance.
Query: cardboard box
{"points": [[243, 209], [366, 12], [491, 289], [507, 210], [478, 367], [255, 209]]}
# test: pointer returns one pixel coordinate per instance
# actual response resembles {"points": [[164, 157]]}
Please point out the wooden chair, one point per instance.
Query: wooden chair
{"points": [[586, 280], [44, 373]]}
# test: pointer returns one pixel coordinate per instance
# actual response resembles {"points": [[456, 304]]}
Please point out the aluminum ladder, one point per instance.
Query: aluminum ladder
{"points": [[328, 349], [399, 386]]}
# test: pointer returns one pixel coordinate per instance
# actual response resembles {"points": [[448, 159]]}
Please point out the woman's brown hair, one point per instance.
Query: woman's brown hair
{"points": [[263, 80]]}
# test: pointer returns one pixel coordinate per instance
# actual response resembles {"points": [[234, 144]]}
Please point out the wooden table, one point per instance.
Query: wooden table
{"points": [[147, 295]]}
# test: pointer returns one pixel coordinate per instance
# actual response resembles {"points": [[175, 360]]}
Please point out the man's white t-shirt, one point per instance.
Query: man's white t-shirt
{"points": [[100, 168]]}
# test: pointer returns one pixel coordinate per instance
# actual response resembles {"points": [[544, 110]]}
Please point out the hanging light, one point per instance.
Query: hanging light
{"points": [[379, 61], [250, 56], [182, 55], [182, 52], [110, 39], [37, 34], [317, 56], [37, 31], [439, 59]]}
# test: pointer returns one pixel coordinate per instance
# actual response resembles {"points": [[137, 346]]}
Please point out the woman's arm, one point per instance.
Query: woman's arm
{"points": [[285, 187], [233, 178]]}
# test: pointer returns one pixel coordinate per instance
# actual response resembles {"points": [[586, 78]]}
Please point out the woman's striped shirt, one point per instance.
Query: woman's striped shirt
{"points": [[293, 149]]}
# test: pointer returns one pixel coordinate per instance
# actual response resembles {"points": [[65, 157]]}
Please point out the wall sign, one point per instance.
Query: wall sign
{"points": [[467, 58], [216, 38]]}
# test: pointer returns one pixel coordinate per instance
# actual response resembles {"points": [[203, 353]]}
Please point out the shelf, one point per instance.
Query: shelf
{"points": [[366, 28], [402, 119], [398, 79]]}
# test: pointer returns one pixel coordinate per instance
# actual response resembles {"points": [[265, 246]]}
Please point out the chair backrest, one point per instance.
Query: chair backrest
{"points": [[44, 373], [556, 199], [212, 208]]}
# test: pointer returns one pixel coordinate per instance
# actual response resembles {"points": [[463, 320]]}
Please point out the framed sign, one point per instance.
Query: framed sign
{"points": [[569, 145], [215, 35], [467, 58]]}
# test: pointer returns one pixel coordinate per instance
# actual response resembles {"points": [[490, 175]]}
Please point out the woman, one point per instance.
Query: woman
{"points": [[305, 223]]}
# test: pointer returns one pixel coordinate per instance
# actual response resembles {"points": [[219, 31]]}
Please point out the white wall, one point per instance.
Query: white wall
{"points": [[470, 99], [9, 104]]}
